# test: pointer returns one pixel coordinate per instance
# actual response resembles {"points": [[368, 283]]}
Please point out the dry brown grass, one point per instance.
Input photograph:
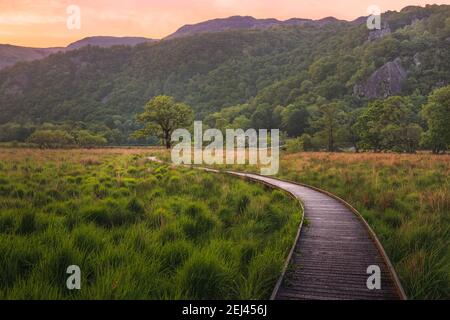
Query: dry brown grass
{"points": [[422, 160], [84, 156]]}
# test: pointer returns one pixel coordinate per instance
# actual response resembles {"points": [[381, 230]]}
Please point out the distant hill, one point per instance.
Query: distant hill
{"points": [[9, 54], [259, 67], [246, 22], [105, 42]]}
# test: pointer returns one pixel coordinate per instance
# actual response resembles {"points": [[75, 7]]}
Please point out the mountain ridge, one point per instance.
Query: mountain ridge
{"points": [[12, 54], [9, 57], [255, 72], [248, 22]]}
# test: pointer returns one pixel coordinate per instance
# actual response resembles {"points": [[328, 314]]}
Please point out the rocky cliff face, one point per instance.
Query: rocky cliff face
{"points": [[378, 34], [384, 82]]}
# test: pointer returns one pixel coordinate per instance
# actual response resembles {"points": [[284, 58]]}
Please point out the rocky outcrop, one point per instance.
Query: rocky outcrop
{"points": [[384, 82], [380, 33]]}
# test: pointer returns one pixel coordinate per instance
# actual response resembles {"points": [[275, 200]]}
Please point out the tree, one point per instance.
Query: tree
{"points": [[321, 69], [368, 127], [389, 125], [15, 132], [241, 122], [437, 114], [295, 120], [328, 120], [52, 139], [350, 131], [162, 116], [87, 139], [263, 117]]}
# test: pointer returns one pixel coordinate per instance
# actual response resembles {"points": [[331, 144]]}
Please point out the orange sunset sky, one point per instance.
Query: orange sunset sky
{"points": [[42, 23]]}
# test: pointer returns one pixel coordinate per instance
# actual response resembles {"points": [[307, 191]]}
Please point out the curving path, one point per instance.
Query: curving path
{"points": [[334, 250]]}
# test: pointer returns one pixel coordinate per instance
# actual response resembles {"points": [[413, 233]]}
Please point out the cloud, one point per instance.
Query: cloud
{"points": [[28, 19]]}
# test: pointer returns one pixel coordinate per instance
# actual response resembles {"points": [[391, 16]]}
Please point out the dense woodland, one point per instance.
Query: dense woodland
{"points": [[301, 79]]}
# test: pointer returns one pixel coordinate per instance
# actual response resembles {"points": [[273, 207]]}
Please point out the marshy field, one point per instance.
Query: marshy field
{"points": [[137, 230], [143, 230], [405, 198]]}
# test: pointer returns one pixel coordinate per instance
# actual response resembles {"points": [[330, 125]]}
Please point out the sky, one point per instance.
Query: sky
{"points": [[43, 23]]}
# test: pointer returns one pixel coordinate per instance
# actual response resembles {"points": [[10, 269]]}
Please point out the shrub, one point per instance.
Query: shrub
{"points": [[51, 139], [87, 139]]}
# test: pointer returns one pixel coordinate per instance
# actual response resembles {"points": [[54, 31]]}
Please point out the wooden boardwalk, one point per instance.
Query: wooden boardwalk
{"points": [[332, 253]]}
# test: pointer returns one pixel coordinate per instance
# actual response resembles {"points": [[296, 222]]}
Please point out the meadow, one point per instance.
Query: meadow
{"points": [[137, 229], [405, 198]]}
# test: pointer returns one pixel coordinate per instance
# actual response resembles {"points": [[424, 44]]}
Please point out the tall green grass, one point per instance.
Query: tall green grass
{"points": [[138, 231]]}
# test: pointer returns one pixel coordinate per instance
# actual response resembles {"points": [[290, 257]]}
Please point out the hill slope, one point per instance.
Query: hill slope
{"points": [[211, 71], [105, 42], [247, 22], [10, 55]]}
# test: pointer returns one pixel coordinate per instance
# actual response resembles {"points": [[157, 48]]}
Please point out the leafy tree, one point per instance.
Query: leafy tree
{"points": [[15, 132], [295, 120], [241, 122], [388, 125], [162, 116], [86, 139], [437, 114], [327, 122], [52, 139], [303, 143], [349, 129], [369, 128], [322, 68], [263, 117]]}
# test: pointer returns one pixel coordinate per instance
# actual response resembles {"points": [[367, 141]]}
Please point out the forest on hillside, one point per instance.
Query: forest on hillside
{"points": [[306, 80]]}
